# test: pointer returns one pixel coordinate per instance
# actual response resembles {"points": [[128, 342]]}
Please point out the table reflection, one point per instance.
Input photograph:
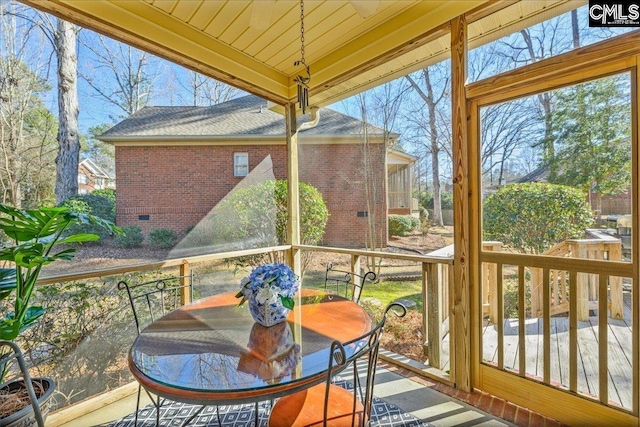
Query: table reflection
{"points": [[214, 346]]}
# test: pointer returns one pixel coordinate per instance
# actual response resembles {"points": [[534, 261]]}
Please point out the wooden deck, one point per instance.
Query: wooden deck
{"points": [[619, 351]]}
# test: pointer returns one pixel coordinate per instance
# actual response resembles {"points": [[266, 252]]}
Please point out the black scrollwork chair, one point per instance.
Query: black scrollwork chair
{"points": [[150, 301], [329, 404], [345, 283]]}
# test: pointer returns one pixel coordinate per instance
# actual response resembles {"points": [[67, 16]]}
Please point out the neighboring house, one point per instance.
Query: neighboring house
{"points": [[399, 178], [92, 177], [174, 164]]}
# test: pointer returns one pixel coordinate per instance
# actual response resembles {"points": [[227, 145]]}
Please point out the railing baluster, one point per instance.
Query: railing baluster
{"points": [[522, 353], [581, 294], [603, 340], [573, 331], [499, 298], [185, 283], [546, 326], [434, 327]]}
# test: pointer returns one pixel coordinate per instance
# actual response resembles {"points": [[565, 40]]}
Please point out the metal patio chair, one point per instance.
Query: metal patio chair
{"points": [[330, 403], [149, 302], [345, 283]]}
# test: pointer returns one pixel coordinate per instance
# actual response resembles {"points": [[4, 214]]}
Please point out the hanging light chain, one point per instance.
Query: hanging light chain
{"points": [[302, 32], [303, 82]]}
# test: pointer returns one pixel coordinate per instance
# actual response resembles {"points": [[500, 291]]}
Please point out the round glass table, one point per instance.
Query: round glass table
{"points": [[212, 352]]}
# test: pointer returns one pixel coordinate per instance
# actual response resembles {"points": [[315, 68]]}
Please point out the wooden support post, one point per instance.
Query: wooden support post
{"points": [[615, 284], [582, 289], [430, 279], [461, 316], [293, 214], [293, 201], [185, 283], [355, 269]]}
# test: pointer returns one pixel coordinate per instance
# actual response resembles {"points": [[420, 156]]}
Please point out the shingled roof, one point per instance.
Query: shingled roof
{"points": [[245, 116]]}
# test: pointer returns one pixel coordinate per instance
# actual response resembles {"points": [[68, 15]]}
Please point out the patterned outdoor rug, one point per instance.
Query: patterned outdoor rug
{"points": [[383, 414]]}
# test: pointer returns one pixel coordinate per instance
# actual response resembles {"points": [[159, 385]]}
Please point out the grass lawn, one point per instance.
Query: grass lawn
{"points": [[389, 291], [385, 292]]}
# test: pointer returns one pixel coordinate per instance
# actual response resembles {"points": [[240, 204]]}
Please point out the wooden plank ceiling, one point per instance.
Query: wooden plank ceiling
{"points": [[349, 45]]}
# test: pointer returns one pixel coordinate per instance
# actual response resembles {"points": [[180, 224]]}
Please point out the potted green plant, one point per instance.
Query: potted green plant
{"points": [[32, 240]]}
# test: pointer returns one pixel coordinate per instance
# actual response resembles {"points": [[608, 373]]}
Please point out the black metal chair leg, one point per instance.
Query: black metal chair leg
{"points": [[135, 422], [158, 412], [218, 414], [186, 422], [257, 416]]}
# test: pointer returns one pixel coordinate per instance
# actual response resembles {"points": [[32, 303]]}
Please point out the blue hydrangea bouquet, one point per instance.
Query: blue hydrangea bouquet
{"points": [[269, 289]]}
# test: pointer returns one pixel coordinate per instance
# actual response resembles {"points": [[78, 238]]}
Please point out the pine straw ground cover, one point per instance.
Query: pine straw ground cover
{"points": [[16, 397]]}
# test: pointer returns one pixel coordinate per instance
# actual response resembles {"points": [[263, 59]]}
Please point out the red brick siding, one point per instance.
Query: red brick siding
{"points": [[178, 185], [337, 171], [91, 180]]}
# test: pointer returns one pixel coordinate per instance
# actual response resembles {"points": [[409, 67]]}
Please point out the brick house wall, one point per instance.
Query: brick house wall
{"points": [[88, 181], [336, 170], [174, 187]]}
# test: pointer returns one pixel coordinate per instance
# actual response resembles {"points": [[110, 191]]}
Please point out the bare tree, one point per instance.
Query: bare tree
{"points": [[378, 106], [205, 91], [122, 75], [62, 35], [507, 128], [431, 101], [25, 139]]}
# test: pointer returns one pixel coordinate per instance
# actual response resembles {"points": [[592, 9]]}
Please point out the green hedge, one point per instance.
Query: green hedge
{"points": [[533, 217], [131, 238], [96, 204], [163, 238], [400, 225]]}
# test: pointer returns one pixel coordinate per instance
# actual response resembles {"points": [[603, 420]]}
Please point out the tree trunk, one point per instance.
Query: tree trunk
{"points": [[68, 141], [575, 30], [431, 102], [435, 149]]}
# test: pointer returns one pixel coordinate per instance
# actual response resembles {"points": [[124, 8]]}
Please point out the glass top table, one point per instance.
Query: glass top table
{"points": [[211, 351]]}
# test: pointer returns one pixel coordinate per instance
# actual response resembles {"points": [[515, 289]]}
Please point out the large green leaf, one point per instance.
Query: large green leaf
{"points": [[7, 282], [35, 233], [9, 328], [26, 225], [78, 238], [33, 314]]}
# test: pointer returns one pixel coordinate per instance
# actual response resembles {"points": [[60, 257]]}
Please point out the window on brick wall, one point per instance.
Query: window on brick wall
{"points": [[83, 179], [240, 164]]}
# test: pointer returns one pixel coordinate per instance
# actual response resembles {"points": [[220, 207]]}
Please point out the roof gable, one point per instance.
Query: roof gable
{"points": [[240, 117], [94, 169]]}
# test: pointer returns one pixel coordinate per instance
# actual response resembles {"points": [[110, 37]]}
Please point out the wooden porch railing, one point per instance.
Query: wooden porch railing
{"points": [[435, 294], [436, 288], [606, 274], [587, 290]]}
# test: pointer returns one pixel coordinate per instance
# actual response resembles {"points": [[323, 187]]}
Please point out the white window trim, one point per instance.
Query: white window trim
{"points": [[237, 165]]}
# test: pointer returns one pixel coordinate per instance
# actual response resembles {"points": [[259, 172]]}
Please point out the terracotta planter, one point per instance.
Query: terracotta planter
{"points": [[26, 417]]}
